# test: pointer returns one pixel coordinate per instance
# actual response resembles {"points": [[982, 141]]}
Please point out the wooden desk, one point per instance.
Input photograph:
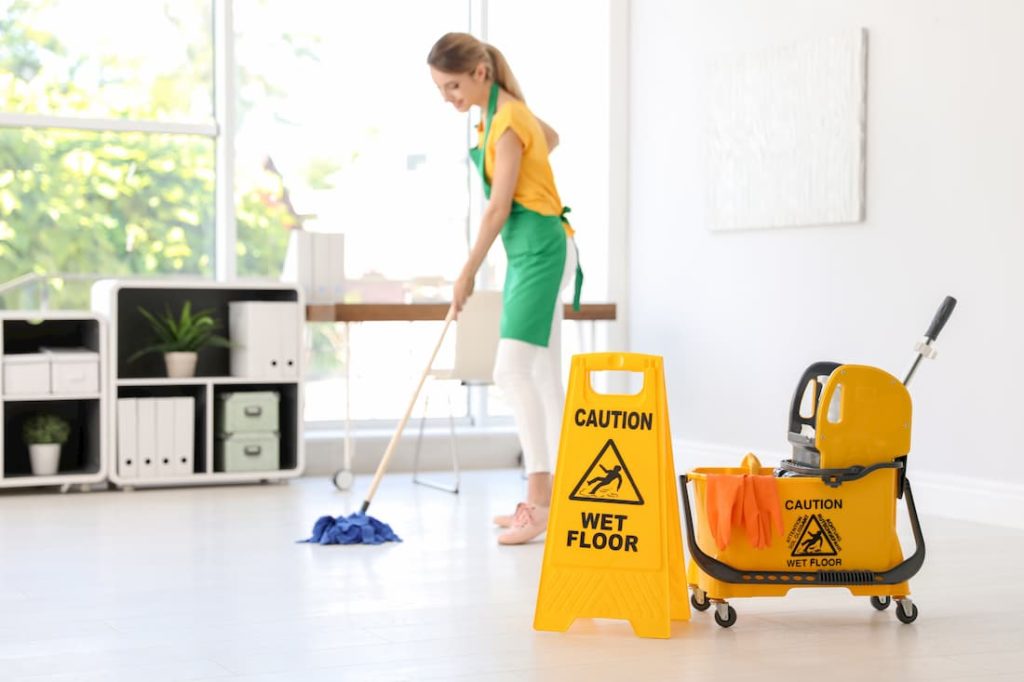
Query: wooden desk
{"points": [[414, 312], [426, 312]]}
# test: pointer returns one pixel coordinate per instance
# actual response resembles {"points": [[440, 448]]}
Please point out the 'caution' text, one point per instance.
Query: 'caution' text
{"points": [[615, 419]]}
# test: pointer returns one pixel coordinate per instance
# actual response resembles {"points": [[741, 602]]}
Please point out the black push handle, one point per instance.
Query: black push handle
{"points": [[940, 319]]}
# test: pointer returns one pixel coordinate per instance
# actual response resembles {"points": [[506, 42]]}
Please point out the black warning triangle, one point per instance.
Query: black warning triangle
{"points": [[814, 540], [607, 479]]}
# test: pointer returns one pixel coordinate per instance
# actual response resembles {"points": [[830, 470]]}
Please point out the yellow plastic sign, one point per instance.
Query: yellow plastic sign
{"points": [[614, 543]]}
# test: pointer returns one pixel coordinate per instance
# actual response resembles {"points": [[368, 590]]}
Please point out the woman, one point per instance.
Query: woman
{"points": [[524, 207]]}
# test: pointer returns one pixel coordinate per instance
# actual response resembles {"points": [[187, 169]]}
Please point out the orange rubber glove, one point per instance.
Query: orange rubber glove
{"points": [[749, 514], [766, 493], [720, 505]]}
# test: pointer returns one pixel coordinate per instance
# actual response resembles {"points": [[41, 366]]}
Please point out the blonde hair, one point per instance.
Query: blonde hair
{"points": [[462, 52]]}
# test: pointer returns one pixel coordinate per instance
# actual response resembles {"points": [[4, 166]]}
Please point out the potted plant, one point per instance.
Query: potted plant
{"points": [[44, 434], [180, 338]]}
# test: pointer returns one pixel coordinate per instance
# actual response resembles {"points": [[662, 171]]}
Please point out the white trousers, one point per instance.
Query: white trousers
{"points": [[530, 377]]}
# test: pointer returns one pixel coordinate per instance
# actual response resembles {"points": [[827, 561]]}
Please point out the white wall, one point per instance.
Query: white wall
{"points": [[575, 83], [739, 315]]}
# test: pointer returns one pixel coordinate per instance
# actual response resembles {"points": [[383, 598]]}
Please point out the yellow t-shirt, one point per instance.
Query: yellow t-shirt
{"points": [[535, 187]]}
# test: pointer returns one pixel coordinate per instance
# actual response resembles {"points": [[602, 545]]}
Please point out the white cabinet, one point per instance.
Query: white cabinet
{"points": [[51, 364], [265, 323]]}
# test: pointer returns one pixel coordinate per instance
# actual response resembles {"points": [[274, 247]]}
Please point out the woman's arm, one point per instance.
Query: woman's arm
{"points": [[550, 136], [507, 158]]}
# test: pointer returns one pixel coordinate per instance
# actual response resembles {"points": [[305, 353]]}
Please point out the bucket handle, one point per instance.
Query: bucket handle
{"points": [[834, 478]]}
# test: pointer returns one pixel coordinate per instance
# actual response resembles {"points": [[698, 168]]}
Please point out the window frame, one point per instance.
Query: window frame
{"points": [[221, 132]]}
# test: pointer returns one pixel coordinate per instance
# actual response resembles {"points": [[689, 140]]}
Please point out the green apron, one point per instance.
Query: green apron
{"points": [[535, 250]]}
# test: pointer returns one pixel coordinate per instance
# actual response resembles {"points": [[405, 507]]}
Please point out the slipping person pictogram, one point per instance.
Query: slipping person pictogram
{"points": [[610, 475], [607, 479], [814, 541]]}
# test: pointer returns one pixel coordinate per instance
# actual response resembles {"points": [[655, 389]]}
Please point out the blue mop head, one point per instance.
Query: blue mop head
{"points": [[355, 529]]}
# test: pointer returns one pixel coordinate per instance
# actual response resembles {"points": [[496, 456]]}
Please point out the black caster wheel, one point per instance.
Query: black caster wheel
{"points": [[903, 615], [881, 603], [729, 619], [700, 605]]}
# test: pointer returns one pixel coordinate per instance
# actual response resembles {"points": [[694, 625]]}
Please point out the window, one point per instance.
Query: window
{"points": [[336, 100], [111, 142], [106, 150], [338, 118], [59, 58]]}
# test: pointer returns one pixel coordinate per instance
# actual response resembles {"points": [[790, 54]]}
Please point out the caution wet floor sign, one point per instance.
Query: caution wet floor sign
{"points": [[614, 546]]}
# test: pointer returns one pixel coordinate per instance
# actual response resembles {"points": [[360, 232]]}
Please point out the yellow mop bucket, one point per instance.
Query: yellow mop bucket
{"points": [[837, 496]]}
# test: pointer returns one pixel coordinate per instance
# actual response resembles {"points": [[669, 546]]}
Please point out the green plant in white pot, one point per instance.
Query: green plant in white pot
{"points": [[181, 337], [44, 434]]}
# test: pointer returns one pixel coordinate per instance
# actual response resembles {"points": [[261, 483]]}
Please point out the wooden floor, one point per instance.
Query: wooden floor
{"points": [[208, 584]]}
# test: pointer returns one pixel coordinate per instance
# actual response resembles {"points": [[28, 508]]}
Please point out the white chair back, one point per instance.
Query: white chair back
{"points": [[476, 338]]}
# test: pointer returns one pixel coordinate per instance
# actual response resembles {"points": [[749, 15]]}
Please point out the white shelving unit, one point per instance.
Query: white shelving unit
{"points": [[83, 458], [119, 301]]}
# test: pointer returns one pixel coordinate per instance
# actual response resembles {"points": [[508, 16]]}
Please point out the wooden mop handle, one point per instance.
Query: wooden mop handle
{"points": [[382, 467]]}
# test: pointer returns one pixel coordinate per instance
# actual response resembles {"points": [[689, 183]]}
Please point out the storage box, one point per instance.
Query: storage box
{"points": [[26, 374], [247, 412], [248, 452], [73, 370]]}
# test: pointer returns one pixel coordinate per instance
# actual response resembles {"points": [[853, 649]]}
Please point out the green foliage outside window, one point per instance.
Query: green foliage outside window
{"points": [[113, 203]]}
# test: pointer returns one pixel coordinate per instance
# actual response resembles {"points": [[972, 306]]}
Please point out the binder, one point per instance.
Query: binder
{"points": [[165, 464], [127, 438], [254, 355], [268, 337], [146, 430], [298, 263], [321, 268], [289, 332], [184, 435], [336, 267]]}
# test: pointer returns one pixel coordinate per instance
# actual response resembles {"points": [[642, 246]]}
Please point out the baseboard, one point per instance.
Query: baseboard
{"points": [[964, 498], [478, 448]]}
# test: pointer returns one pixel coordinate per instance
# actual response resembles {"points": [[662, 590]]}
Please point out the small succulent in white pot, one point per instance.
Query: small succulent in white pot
{"points": [[45, 434]]}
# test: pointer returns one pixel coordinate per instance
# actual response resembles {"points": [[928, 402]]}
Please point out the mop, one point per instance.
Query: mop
{"points": [[360, 528]]}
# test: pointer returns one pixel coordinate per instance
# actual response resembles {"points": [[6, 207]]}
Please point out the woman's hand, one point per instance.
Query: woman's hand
{"points": [[461, 291]]}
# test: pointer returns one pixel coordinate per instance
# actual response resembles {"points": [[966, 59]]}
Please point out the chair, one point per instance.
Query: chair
{"points": [[476, 345]]}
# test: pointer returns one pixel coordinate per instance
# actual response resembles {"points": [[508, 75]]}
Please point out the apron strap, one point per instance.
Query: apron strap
{"points": [[579, 280], [492, 107], [579, 270]]}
